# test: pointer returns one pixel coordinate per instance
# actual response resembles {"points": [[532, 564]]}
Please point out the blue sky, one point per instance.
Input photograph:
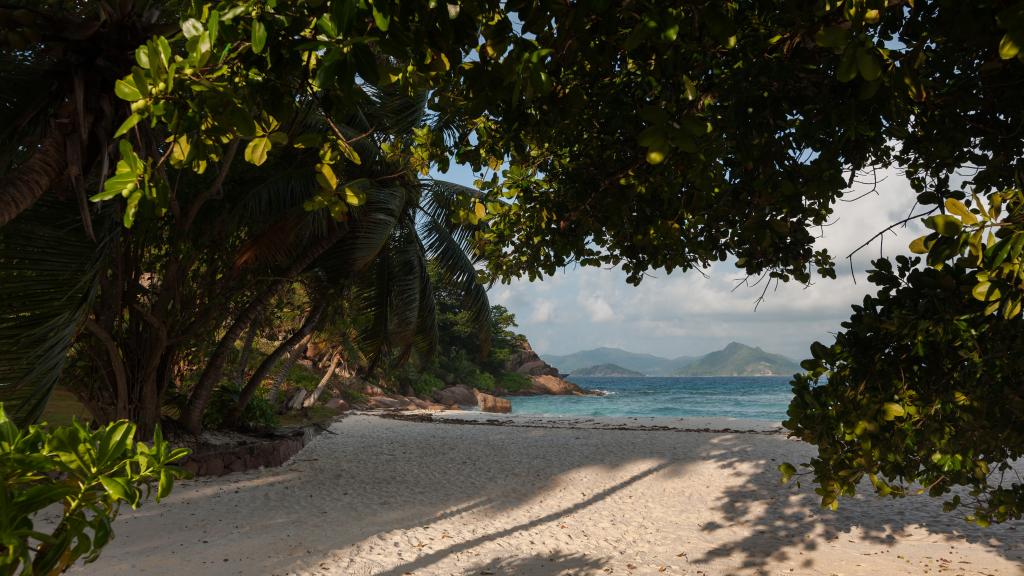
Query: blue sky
{"points": [[688, 314]]}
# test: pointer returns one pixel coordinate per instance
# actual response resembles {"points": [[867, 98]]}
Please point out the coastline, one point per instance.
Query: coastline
{"points": [[633, 423], [391, 497]]}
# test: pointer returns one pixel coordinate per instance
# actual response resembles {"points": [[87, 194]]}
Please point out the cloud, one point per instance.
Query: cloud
{"points": [[542, 311], [677, 314], [597, 307]]}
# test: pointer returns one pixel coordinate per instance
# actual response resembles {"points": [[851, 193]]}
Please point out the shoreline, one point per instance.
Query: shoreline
{"points": [[625, 423]]}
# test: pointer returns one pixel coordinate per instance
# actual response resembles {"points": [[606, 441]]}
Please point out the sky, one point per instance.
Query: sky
{"points": [[686, 314]]}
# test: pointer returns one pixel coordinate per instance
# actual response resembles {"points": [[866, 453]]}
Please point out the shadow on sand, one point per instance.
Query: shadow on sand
{"points": [[352, 475]]}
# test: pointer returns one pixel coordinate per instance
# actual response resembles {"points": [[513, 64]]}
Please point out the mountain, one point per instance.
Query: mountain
{"points": [[606, 370], [734, 360], [740, 360], [648, 364]]}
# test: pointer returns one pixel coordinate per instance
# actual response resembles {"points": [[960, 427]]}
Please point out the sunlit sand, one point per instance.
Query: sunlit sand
{"points": [[385, 497]]}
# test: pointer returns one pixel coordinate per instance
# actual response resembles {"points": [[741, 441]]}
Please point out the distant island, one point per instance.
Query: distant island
{"points": [[735, 359], [740, 360], [607, 370]]}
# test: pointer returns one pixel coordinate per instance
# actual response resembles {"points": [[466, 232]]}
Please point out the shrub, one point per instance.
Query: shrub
{"points": [[258, 412], [426, 383], [513, 381], [89, 473]]}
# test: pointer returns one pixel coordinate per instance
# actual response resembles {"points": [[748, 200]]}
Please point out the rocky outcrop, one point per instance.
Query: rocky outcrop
{"points": [[544, 377], [553, 385], [525, 361], [469, 398]]}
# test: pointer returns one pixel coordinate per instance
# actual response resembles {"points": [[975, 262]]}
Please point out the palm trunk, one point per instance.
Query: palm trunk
{"points": [[312, 398], [243, 360], [27, 183], [192, 418], [308, 325], [282, 373]]}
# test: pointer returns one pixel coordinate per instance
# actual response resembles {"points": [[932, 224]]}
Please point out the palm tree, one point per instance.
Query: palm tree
{"points": [[59, 60], [125, 320]]}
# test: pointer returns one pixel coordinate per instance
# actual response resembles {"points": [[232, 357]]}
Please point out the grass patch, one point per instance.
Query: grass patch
{"points": [[63, 407]]}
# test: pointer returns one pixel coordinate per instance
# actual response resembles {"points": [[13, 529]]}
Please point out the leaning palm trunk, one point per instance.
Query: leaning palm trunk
{"points": [[192, 417], [282, 373], [243, 360], [308, 325], [328, 377], [29, 181]]}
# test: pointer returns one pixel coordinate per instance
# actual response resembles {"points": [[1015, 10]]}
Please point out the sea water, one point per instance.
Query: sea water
{"points": [[748, 398]]}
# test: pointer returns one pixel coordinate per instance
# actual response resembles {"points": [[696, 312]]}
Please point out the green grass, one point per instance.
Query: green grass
{"points": [[62, 407], [313, 415]]}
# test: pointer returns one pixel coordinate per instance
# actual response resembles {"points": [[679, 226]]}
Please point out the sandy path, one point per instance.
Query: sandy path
{"points": [[391, 498]]}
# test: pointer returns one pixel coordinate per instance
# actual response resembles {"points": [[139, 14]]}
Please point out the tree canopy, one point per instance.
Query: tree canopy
{"points": [[649, 135]]}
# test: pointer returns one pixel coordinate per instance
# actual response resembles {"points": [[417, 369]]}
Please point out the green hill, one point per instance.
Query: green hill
{"points": [[740, 360], [647, 364], [606, 370]]}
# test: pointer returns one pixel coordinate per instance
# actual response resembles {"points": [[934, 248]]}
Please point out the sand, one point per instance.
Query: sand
{"points": [[391, 498]]}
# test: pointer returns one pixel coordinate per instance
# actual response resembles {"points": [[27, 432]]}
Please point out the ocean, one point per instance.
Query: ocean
{"points": [[748, 398]]}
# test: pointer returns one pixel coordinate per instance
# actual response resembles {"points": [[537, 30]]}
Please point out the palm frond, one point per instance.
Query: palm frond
{"points": [[447, 244], [48, 278], [369, 231]]}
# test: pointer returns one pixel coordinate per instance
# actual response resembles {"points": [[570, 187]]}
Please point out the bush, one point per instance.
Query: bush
{"points": [[426, 384], [513, 381], [89, 473], [258, 412]]}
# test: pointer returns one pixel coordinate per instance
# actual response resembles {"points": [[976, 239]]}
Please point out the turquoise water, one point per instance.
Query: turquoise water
{"points": [[750, 398]]}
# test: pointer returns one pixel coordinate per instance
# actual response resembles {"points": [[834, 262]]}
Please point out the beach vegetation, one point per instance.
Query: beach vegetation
{"points": [[79, 475], [153, 205]]}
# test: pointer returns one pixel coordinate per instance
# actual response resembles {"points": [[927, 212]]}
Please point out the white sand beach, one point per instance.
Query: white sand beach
{"points": [[391, 498]]}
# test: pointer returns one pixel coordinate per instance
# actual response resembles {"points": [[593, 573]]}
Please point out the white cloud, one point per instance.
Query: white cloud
{"points": [[597, 307], [542, 311], [687, 313]]}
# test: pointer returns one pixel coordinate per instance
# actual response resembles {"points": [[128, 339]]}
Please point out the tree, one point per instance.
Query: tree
{"points": [[648, 135]]}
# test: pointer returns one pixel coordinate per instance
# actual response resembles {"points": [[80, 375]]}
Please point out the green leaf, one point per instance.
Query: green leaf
{"points": [[1008, 47], [832, 37], [125, 89], [142, 56], [326, 178], [868, 65], [954, 206], [919, 245], [986, 292], [788, 471], [892, 411], [132, 207], [355, 192], [349, 152], [381, 19], [258, 36], [690, 87], [213, 25], [127, 125], [191, 28], [256, 151], [944, 224], [165, 485], [847, 66], [117, 487]]}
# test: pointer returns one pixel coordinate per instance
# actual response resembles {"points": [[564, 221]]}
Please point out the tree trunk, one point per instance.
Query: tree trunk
{"points": [[308, 325], [243, 360], [282, 373], [312, 398], [192, 418], [20, 189]]}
